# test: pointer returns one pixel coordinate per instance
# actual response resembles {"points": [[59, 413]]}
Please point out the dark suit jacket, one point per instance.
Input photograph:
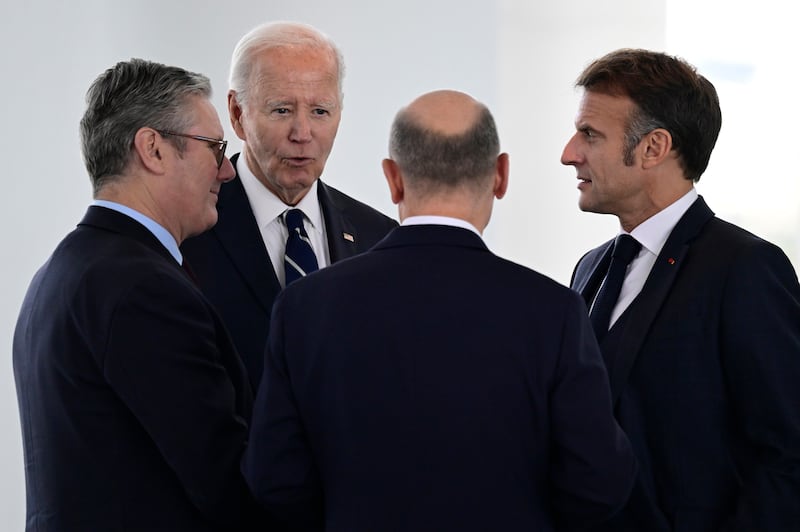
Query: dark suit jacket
{"points": [[442, 388], [234, 269], [705, 381], [132, 398]]}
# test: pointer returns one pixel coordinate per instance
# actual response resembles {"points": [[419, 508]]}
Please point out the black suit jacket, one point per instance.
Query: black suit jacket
{"points": [[705, 377], [132, 398], [442, 388], [234, 269]]}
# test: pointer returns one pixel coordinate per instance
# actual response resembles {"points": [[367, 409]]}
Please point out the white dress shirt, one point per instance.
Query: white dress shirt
{"points": [[652, 234], [269, 211], [440, 220]]}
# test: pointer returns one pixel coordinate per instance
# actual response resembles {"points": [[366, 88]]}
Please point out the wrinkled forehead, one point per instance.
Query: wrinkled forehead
{"points": [[597, 106], [296, 65]]}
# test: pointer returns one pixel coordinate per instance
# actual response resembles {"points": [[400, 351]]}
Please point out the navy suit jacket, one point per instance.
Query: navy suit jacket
{"points": [[704, 375], [234, 269], [132, 398], [440, 388]]}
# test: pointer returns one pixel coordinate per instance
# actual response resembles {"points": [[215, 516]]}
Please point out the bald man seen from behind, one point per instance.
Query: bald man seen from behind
{"points": [[444, 388]]}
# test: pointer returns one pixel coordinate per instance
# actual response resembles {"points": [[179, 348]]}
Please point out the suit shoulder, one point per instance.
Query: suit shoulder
{"points": [[732, 233], [730, 252], [357, 208], [518, 275], [729, 240]]}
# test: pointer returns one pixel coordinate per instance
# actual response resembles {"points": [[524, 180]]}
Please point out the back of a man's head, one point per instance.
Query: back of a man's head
{"points": [[445, 140]]}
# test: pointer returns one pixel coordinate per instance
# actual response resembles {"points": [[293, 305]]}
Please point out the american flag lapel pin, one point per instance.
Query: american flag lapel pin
{"points": [[671, 261], [348, 237]]}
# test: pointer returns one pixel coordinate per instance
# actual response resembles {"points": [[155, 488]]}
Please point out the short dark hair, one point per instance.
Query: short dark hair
{"points": [[436, 160], [126, 97], [668, 93]]}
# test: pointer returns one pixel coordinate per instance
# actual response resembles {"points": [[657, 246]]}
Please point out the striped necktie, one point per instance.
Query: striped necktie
{"points": [[299, 259]]}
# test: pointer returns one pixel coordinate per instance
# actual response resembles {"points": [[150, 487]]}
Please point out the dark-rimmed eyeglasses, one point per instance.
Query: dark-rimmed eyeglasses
{"points": [[218, 146]]}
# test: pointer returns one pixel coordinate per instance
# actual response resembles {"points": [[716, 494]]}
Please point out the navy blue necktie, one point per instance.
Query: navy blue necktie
{"points": [[625, 249], [299, 259]]}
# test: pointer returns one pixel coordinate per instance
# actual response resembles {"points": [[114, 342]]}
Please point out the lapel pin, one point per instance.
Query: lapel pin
{"points": [[671, 261], [348, 237]]}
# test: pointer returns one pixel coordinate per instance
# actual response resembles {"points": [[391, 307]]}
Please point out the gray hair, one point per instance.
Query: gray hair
{"points": [[639, 124], [277, 35], [435, 160], [127, 97]]}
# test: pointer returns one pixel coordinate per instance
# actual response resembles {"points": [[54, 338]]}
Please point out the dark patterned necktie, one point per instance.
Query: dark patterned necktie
{"points": [[625, 249], [299, 259]]}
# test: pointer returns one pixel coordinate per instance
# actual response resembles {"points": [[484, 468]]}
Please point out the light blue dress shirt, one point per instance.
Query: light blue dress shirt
{"points": [[163, 236]]}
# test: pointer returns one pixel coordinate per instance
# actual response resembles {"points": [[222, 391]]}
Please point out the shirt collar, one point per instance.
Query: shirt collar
{"points": [[163, 236], [429, 219], [267, 206], [653, 232]]}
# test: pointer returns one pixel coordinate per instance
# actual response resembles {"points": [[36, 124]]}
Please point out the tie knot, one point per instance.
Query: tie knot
{"points": [[625, 248], [294, 220]]}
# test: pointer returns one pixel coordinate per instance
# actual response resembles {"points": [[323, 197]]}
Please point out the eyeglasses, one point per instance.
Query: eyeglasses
{"points": [[218, 146]]}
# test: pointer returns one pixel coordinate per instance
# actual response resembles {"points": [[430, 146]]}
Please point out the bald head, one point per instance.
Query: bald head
{"points": [[445, 159], [445, 139], [445, 112]]}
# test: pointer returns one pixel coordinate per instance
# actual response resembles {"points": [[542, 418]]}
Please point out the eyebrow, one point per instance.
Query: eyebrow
{"points": [[293, 103]]}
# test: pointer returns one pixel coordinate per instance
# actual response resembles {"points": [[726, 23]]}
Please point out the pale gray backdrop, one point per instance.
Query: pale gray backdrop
{"points": [[519, 57]]}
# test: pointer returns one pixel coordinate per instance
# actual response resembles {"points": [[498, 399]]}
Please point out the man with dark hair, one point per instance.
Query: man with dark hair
{"points": [[133, 401], [699, 324], [443, 388], [285, 103]]}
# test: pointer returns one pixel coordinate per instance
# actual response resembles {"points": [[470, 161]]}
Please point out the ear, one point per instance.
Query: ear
{"points": [[656, 146], [235, 114], [150, 147], [395, 180], [501, 176]]}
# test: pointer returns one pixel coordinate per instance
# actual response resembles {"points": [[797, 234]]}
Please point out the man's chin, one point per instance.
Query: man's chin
{"points": [[294, 188], [589, 206], [585, 205], [210, 221]]}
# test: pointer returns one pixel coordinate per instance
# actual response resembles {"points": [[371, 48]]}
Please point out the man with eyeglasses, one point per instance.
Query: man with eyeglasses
{"points": [[285, 103], [133, 401], [217, 146]]}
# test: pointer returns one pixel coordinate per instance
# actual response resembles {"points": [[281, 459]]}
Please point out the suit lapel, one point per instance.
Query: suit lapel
{"points": [[590, 271], [342, 234], [654, 293], [239, 235]]}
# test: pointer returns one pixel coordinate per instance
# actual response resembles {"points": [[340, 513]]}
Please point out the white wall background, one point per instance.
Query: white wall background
{"points": [[519, 57]]}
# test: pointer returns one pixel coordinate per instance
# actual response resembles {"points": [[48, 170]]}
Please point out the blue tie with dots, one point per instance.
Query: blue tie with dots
{"points": [[625, 249], [299, 259]]}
